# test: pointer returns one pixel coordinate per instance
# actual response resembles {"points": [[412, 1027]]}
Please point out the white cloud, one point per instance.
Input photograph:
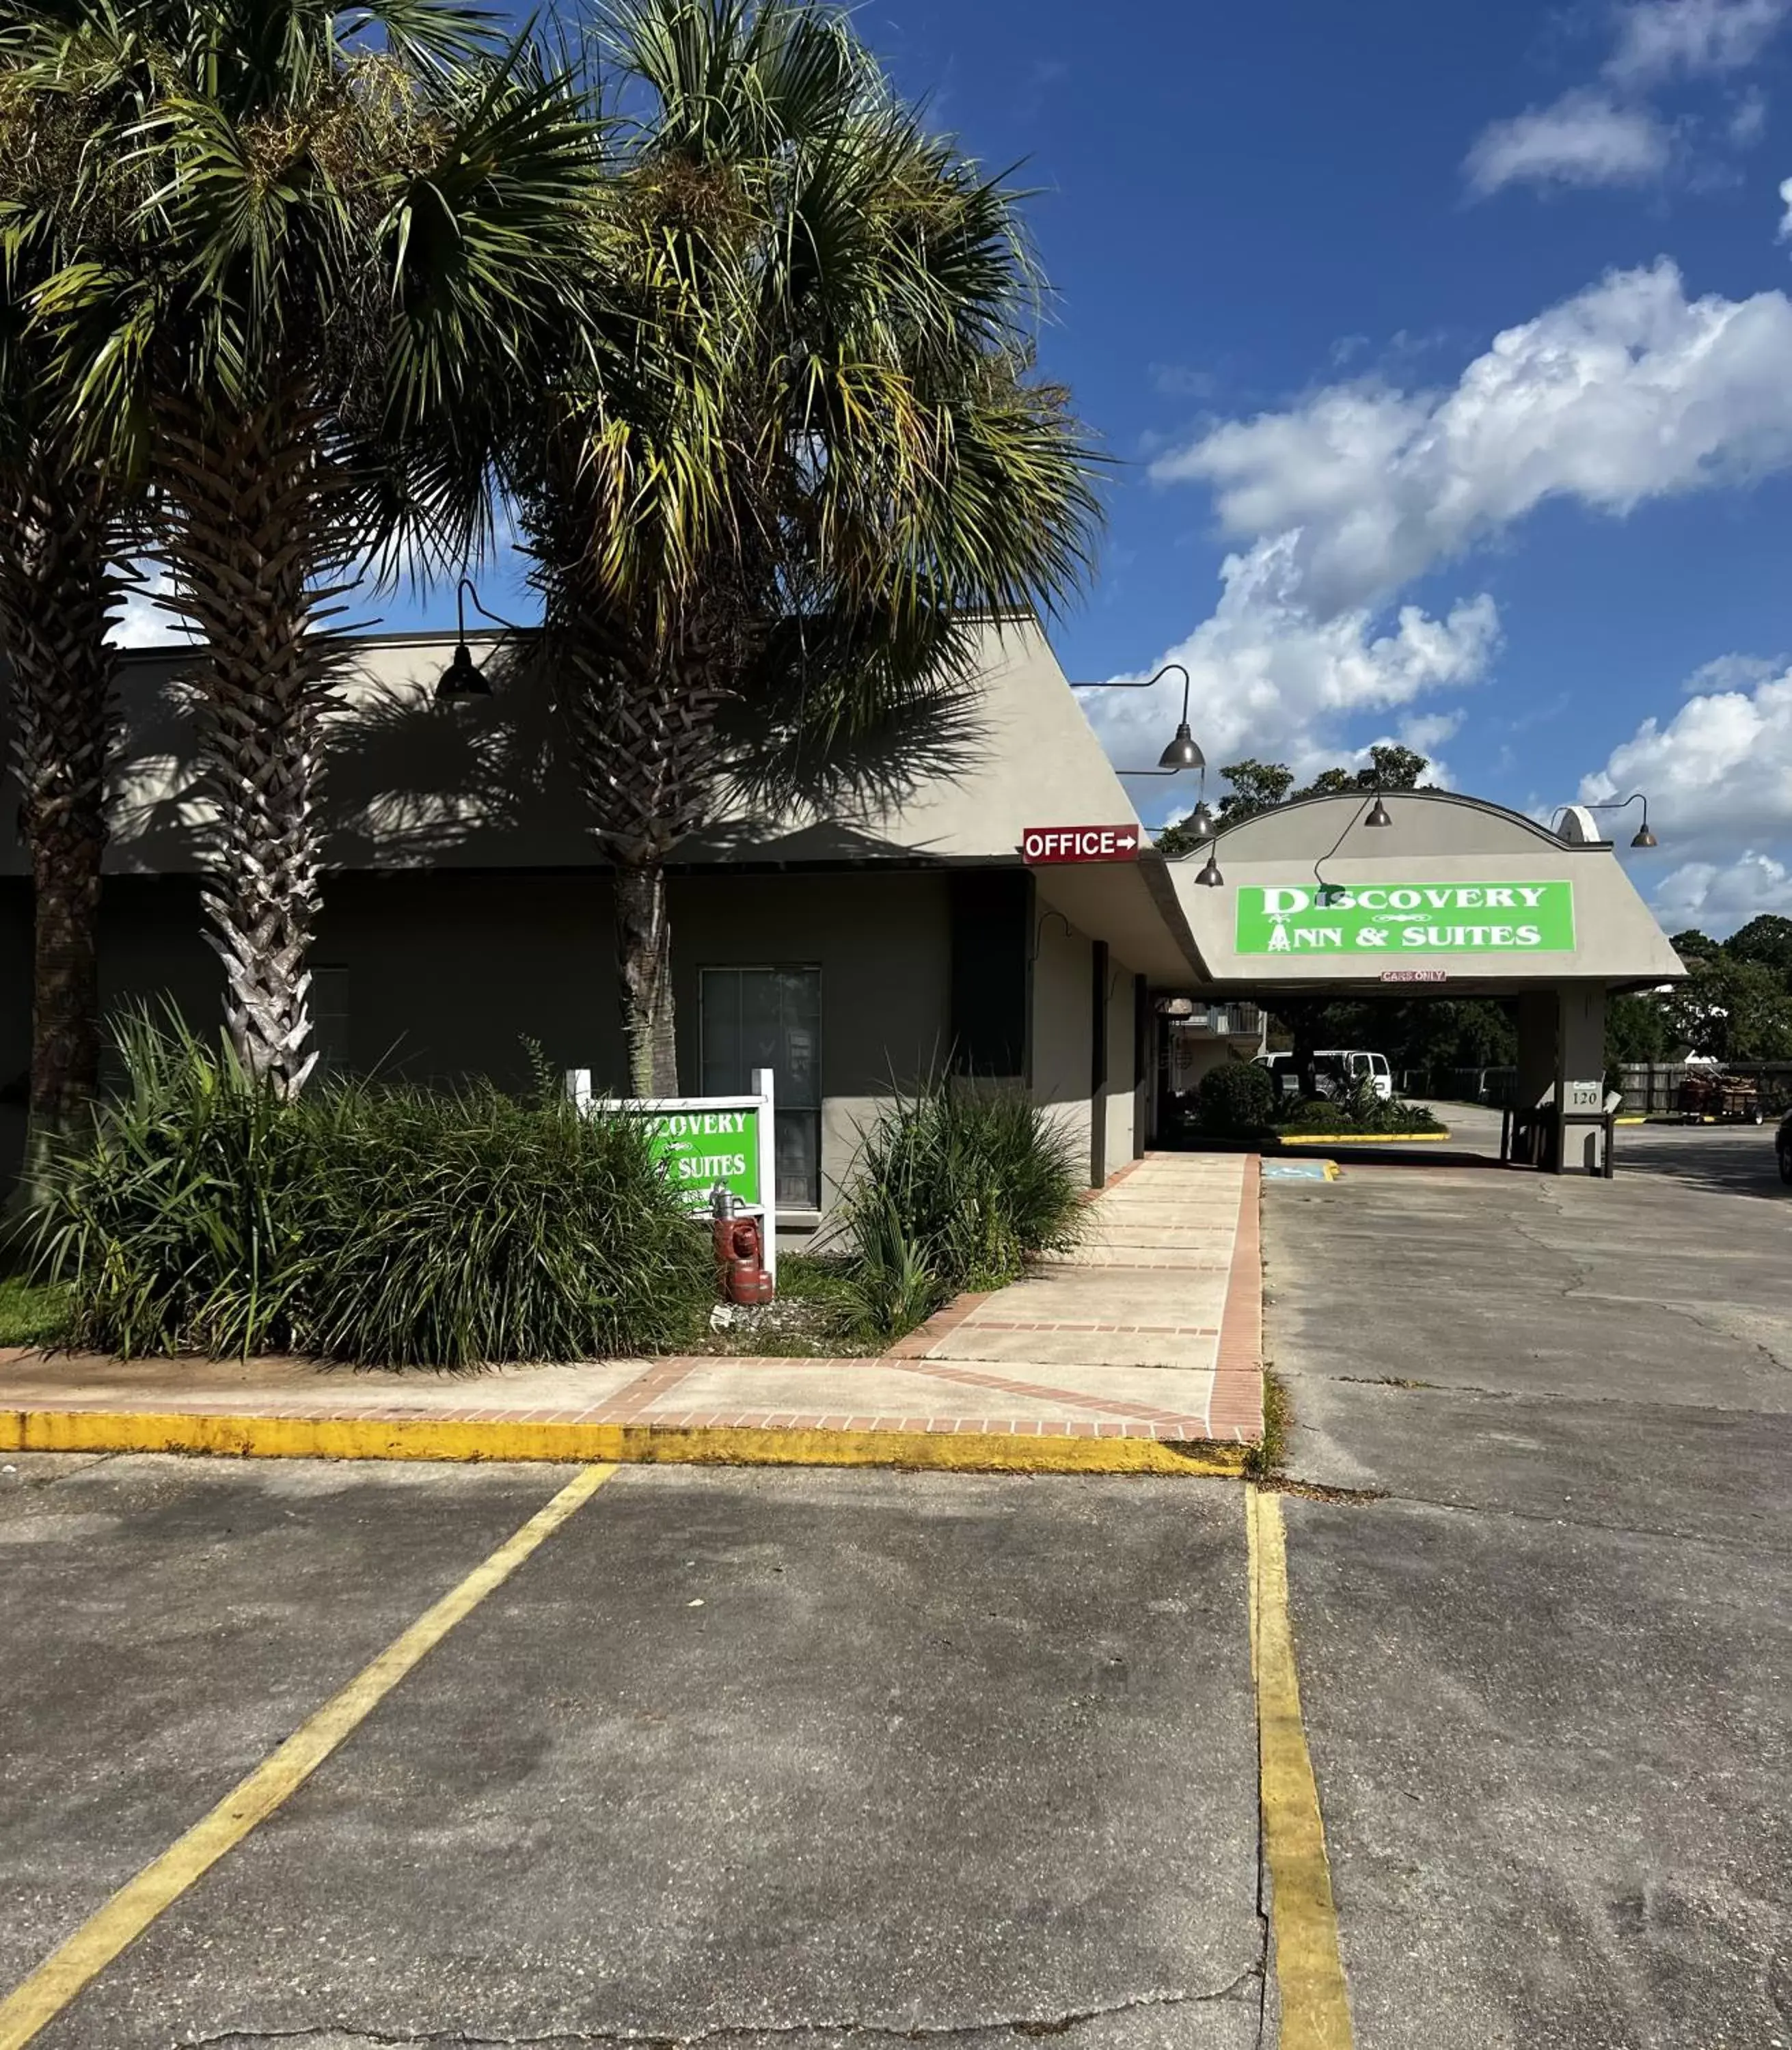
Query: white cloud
{"points": [[1661, 39], [1718, 897], [144, 622], [1269, 676], [1627, 392], [1611, 134], [1583, 139], [1717, 775], [1785, 202], [1748, 123]]}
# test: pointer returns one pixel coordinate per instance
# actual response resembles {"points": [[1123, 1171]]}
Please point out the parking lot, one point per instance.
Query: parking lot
{"points": [[833, 1756], [1546, 1651]]}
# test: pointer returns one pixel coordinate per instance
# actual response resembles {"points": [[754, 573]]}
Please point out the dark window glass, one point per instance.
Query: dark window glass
{"points": [[772, 1018]]}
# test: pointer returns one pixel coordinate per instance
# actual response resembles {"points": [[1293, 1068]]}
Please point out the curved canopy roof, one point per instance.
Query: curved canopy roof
{"points": [[1451, 890]]}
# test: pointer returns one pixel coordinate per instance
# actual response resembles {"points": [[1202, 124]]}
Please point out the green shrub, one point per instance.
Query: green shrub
{"points": [[955, 1186], [366, 1223], [1235, 1099], [1355, 1113]]}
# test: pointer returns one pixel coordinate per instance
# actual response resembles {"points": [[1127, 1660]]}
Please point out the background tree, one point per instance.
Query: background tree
{"points": [[1767, 941], [811, 455], [1261, 786], [314, 240], [1731, 1009]]}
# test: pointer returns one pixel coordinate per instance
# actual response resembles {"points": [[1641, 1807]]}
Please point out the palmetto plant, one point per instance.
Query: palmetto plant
{"points": [[810, 450], [310, 238]]}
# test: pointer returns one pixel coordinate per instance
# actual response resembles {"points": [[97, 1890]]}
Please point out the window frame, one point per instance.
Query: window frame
{"points": [[781, 1108]]}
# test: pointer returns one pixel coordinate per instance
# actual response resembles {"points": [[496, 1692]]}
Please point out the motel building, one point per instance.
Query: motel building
{"points": [[1003, 914]]}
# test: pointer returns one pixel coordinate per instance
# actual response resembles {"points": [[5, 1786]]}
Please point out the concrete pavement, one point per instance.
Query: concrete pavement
{"points": [[815, 1757], [1549, 1674]]}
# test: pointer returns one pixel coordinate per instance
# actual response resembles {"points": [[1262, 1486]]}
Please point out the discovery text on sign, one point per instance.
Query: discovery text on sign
{"points": [[1407, 920]]}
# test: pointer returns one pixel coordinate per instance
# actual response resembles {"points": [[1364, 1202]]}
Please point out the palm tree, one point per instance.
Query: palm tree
{"points": [[811, 452], [63, 524], [319, 241]]}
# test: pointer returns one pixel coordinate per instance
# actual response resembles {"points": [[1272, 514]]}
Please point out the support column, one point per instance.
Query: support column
{"points": [[1580, 1058], [1538, 1021], [1098, 1063]]}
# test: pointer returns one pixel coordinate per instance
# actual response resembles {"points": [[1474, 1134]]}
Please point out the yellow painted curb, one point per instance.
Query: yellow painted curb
{"points": [[422, 1438], [1361, 1138], [1303, 1915]]}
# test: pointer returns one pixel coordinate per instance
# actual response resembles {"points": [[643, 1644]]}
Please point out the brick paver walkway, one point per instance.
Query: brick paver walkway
{"points": [[1152, 1329]]}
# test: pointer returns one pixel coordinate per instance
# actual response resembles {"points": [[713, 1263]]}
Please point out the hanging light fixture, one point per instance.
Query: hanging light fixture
{"points": [[1183, 752], [1379, 815], [1201, 823], [463, 678], [1643, 837], [1210, 875]]}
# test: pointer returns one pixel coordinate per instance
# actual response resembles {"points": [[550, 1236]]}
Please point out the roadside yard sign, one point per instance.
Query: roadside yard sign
{"points": [[706, 1142], [1407, 919], [1042, 845]]}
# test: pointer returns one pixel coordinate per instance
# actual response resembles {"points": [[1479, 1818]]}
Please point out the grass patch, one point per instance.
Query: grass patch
{"points": [[33, 1313], [1263, 1460]]}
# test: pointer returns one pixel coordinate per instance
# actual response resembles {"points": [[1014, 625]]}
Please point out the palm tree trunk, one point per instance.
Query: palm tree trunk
{"points": [[58, 588], [644, 740], [248, 498], [644, 976]]}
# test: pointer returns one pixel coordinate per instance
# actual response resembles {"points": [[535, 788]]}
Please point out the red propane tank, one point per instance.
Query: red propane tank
{"points": [[744, 1279]]}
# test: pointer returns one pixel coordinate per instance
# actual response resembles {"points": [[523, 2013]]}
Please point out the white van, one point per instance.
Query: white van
{"points": [[1336, 1070]]}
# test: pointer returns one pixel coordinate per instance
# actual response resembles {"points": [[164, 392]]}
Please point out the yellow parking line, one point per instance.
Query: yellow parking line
{"points": [[1309, 1970], [130, 1911]]}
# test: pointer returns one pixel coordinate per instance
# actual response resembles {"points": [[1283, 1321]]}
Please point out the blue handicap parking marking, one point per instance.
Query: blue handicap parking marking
{"points": [[1298, 1170]]}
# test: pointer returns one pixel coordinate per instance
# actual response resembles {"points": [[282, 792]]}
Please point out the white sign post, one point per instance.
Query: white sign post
{"points": [[702, 1142]]}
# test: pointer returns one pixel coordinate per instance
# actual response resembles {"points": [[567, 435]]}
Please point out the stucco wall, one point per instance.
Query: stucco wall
{"points": [[1060, 1032], [445, 975], [1121, 1105]]}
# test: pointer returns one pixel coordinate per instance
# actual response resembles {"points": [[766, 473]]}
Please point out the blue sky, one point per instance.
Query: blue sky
{"points": [[1284, 239], [1444, 357]]}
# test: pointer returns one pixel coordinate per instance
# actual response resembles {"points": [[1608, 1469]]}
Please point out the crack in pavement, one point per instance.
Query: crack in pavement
{"points": [[1245, 1986], [1671, 1535]]}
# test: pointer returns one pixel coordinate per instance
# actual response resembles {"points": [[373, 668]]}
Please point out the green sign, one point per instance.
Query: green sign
{"points": [[701, 1147], [1406, 922]]}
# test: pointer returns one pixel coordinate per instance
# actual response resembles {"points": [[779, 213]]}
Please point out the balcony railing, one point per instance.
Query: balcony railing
{"points": [[1224, 1021]]}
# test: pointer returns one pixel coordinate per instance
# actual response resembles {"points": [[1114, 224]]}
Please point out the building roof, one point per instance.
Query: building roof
{"points": [[1458, 889]]}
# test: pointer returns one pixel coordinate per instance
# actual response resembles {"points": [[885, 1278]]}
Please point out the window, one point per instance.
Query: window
{"points": [[772, 1018], [991, 911]]}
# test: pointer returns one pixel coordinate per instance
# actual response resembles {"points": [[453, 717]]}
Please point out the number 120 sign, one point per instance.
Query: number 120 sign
{"points": [[1040, 844]]}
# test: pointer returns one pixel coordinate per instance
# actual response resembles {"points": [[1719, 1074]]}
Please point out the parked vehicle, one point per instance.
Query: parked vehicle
{"points": [[1782, 1143], [1335, 1071]]}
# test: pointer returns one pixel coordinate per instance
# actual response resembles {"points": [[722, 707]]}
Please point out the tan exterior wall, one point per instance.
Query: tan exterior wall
{"points": [[442, 975], [1122, 1105], [1061, 1052]]}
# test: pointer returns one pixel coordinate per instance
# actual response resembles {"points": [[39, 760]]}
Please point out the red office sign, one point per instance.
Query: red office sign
{"points": [[1040, 844]]}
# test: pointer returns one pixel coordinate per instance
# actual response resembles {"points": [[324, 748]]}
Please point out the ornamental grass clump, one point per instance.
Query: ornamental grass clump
{"points": [[384, 1226], [956, 1186]]}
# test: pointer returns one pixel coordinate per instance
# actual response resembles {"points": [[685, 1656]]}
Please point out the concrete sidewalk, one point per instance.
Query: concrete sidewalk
{"points": [[1140, 1352]]}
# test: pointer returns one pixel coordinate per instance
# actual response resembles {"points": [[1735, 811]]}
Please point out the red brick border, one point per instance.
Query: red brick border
{"points": [[1234, 1409], [940, 1325]]}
